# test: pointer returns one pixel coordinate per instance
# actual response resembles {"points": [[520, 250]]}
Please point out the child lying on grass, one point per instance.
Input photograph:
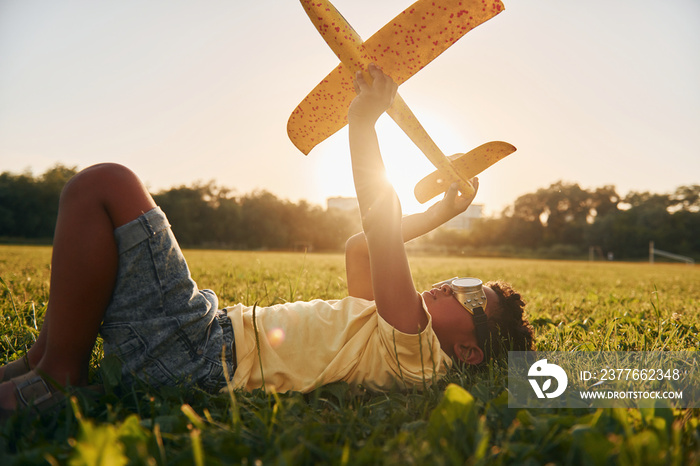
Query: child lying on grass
{"points": [[117, 270]]}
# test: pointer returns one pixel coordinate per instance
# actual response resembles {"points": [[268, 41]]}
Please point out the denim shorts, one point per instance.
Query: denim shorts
{"points": [[163, 328]]}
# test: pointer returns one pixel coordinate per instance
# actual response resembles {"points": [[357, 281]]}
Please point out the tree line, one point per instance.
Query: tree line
{"points": [[201, 215], [565, 220], [562, 220]]}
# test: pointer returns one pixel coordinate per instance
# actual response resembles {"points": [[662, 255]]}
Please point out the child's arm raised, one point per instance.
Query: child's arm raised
{"points": [[397, 300]]}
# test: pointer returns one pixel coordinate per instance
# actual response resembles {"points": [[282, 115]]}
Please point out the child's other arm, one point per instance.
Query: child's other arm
{"points": [[412, 226]]}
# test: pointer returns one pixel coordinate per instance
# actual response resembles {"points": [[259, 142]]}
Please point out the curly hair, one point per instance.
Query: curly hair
{"points": [[508, 327]]}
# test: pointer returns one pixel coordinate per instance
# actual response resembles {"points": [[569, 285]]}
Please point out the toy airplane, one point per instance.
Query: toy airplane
{"points": [[401, 48]]}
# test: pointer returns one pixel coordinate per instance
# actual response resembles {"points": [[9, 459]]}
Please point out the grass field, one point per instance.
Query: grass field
{"points": [[465, 419]]}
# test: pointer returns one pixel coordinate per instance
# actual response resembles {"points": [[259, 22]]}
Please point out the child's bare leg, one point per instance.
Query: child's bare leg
{"points": [[83, 268]]}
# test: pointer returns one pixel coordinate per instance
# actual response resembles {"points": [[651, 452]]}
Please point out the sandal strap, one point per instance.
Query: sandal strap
{"points": [[33, 390]]}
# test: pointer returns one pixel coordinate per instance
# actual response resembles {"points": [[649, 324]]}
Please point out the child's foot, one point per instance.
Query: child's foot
{"points": [[8, 401], [28, 390], [15, 369]]}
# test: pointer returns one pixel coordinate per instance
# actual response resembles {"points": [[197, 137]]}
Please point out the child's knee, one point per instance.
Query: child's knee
{"points": [[96, 175], [91, 183], [113, 186]]}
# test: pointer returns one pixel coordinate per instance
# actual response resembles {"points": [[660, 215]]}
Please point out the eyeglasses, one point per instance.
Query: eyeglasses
{"points": [[470, 294]]}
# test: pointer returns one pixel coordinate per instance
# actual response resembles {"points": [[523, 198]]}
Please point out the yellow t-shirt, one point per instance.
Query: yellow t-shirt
{"points": [[304, 345]]}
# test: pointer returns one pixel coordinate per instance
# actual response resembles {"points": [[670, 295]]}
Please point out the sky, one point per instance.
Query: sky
{"points": [[593, 92]]}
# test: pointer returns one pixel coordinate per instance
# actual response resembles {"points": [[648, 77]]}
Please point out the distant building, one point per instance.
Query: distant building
{"points": [[465, 220], [347, 204]]}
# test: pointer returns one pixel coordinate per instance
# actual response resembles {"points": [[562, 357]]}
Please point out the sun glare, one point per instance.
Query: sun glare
{"points": [[405, 164]]}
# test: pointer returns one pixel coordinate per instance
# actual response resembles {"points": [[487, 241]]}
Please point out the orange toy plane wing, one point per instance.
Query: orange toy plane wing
{"points": [[401, 48]]}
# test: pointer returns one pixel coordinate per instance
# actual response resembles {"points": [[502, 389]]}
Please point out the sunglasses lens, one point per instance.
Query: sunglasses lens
{"points": [[466, 285]]}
